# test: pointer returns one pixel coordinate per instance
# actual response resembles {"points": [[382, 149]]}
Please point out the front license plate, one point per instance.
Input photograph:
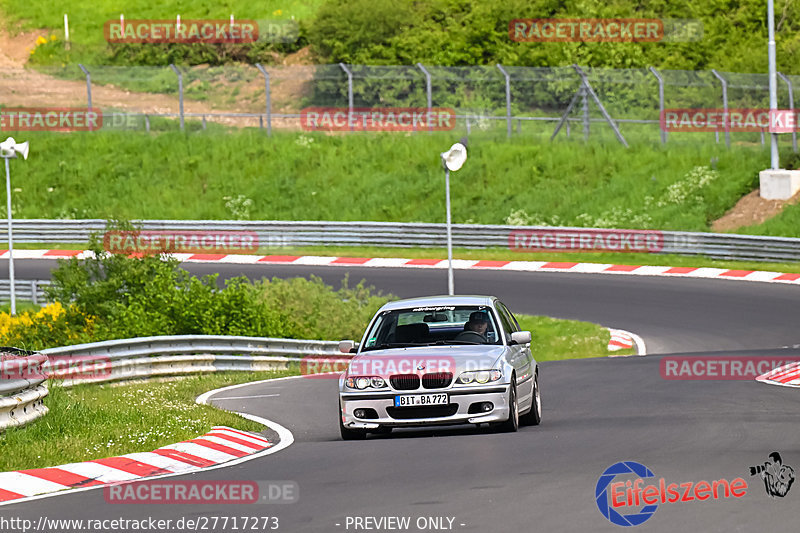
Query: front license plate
{"points": [[414, 400]]}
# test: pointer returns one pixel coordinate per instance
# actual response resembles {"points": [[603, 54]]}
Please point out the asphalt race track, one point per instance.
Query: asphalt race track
{"points": [[596, 412]]}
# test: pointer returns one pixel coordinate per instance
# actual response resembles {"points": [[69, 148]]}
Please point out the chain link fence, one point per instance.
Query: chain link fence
{"points": [[509, 101]]}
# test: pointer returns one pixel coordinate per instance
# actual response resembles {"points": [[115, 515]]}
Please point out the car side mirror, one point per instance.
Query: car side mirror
{"points": [[521, 337], [347, 346]]}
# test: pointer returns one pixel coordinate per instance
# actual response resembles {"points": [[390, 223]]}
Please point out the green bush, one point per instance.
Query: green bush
{"points": [[116, 296]]}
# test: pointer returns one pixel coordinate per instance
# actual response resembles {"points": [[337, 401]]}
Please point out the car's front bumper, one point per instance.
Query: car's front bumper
{"points": [[460, 401]]}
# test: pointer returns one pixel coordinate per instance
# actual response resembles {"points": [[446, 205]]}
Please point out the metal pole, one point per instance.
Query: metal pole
{"points": [[10, 240], [349, 94], [773, 83], [450, 288], [724, 106], [88, 86], [180, 90], [267, 97], [660, 104], [508, 99], [585, 109], [428, 90], [588, 88], [66, 31], [791, 106]]}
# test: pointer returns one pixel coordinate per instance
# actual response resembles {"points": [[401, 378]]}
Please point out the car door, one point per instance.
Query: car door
{"points": [[520, 356]]}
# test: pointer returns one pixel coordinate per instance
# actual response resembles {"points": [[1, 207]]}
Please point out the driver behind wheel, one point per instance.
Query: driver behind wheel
{"points": [[475, 328]]}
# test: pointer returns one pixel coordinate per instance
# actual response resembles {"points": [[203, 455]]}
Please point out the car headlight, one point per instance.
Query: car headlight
{"points": [[480, 376], [466, 378], [364, 382]]}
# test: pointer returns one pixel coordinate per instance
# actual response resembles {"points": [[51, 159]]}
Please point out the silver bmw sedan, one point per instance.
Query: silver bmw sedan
{"points": [[439, 360]]}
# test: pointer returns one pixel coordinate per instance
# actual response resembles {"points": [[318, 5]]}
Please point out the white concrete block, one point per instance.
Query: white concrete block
{"points": [[778, 184]]}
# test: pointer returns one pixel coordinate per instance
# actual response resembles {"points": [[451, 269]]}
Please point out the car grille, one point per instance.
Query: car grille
{"points": [[428, 411], [438, 380], [404, 381]]}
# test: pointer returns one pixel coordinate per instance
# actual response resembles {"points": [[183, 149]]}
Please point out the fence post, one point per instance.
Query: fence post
{"points": [[508, 99], [661, 122], [88, 86], [791, 106], [180, 90], [34, 291], [267, 98], [724, 106], [587, 88], [428, 92], [585, 112], [349, 94]]}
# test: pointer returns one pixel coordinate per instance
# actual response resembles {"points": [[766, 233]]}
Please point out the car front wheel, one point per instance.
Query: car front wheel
{"points": [[512, 424], [534, 416]]}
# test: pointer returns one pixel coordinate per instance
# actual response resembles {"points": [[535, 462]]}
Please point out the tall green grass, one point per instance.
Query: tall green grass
{"points": [[386, 177], [86, 19]]}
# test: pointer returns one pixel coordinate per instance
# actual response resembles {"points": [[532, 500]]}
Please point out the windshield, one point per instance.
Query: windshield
{"points": [[427, 326]]}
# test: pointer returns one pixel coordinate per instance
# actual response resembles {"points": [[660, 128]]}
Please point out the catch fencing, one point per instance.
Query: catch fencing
{"points": [[624, 104], [273, 236]]}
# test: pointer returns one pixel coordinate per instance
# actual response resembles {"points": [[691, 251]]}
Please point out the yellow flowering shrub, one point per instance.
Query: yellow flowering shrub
{"points": [[51, 325]]}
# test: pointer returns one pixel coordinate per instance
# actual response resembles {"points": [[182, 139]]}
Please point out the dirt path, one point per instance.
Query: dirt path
{"points": [[20, 86]]}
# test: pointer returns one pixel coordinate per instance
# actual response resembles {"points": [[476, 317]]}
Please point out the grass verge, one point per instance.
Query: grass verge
{"points": [[556, 339], [95, 421], [313, 176]]}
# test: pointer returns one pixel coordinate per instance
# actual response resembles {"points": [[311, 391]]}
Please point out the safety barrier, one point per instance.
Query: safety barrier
{"points": [[22, 387], [179, 354], [279, 234]]}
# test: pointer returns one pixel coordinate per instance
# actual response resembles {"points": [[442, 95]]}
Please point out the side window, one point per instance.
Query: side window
{"points": [[506, 316], [507, 327], [513, 318]]}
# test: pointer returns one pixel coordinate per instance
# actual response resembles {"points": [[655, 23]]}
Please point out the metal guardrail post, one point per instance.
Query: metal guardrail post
{"points": [[267, 98], [429, 92], [180, 91], [724, 83], [508, 99], [791, 106], [349, 94], [660, 104]]}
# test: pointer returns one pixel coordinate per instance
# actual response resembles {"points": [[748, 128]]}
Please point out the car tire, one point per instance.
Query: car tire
{"points": [[534, 416], [350, 434], [512, 424]]}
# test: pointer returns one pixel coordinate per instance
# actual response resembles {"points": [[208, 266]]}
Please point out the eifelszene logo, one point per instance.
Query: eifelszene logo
{"points": [[778, 477], [614, 498]]}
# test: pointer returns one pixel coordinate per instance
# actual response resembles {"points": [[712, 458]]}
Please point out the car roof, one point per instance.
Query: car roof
{"points": [[431, 301]]}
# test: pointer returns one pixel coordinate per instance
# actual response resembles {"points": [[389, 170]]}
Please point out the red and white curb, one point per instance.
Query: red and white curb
{"points": [[785, 376], [220, 445], [625, 340], [620, 340], [392, 262]]}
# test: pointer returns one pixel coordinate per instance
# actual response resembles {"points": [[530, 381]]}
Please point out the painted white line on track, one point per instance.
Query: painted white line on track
{"points": [[247, 397]]}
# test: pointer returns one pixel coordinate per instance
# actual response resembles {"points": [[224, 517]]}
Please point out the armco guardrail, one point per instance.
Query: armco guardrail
{"points": [[179, 354], [22, 387], [31, 290], [277, 234]]}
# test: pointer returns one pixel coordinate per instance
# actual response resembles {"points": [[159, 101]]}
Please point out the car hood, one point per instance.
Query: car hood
{"points": [[426, 359]]}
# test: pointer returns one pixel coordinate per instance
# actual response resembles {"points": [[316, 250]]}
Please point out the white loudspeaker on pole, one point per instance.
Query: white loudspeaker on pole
{"points": [[453, 159], [9, 149]]}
